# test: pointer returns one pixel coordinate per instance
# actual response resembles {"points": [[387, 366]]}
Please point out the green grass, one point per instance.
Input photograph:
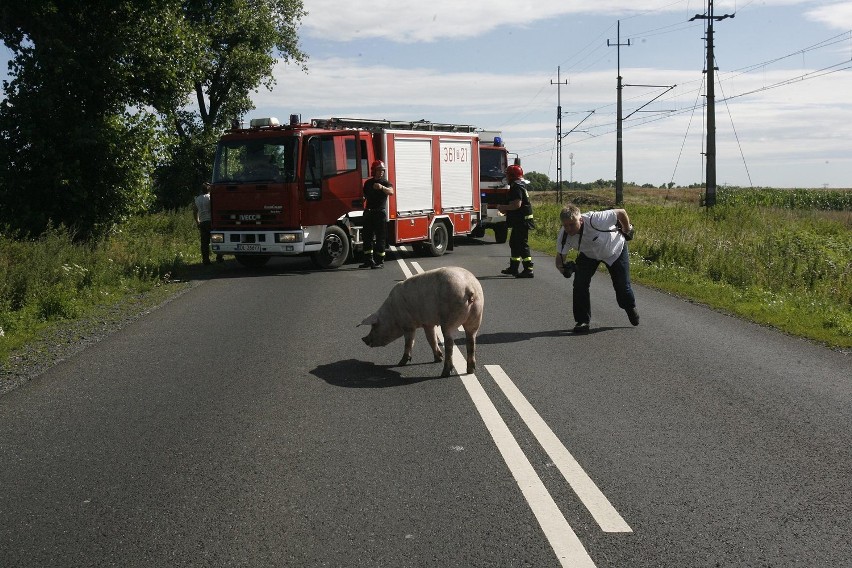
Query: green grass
{"points": [[783, 266], [53, 279]]}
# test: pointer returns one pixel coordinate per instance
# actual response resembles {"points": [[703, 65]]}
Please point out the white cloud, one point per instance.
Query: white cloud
{"points": [[418, 21], [778, 131], [837, 16]]}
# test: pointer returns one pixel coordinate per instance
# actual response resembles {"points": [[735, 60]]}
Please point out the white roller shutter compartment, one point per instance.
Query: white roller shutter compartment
{"points": [[456, 174], [413, 169]]}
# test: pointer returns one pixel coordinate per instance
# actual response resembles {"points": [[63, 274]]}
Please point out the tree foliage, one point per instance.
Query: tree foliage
{"points": [[237, 41], [538, 181], [102, 92]]}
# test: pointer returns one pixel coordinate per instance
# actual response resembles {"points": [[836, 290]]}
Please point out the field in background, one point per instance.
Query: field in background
{"points": [[760, 254]]}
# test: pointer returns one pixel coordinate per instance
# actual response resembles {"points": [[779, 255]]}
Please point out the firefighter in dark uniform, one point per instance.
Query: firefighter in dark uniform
{"points": [[376, 191], [519, 216]]}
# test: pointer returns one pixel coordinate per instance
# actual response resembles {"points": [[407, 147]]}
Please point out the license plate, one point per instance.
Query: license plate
{"points": [[248, 248]]}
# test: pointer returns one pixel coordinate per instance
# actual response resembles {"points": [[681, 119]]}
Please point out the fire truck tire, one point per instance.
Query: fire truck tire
{"points": [[501, 233], [437, 245], [252, 260], [335, 249]]}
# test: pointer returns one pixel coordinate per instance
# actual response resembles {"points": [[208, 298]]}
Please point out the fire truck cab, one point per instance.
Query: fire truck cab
{"points": [[493, 185], [281, 190]]}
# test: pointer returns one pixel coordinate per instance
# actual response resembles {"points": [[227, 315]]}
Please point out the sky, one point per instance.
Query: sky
{"points": [[783, 95]]}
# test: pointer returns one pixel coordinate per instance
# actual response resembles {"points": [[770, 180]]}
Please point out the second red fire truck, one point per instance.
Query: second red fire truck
{"points": [[282, 190]]}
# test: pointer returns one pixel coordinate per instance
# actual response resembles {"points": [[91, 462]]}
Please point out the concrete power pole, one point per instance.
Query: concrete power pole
{"points": [[710, 189], [619, 167], [559, 84]]}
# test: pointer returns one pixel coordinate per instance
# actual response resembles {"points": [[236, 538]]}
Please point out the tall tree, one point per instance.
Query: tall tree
{"points": [[77, 146], [78, 138], [239, 43]]}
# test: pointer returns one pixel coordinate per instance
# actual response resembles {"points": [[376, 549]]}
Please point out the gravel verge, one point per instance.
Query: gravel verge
{"points": [[69, 337]]}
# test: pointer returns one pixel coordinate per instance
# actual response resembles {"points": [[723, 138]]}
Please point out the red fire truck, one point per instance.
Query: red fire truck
{"points": [[281, 190]]}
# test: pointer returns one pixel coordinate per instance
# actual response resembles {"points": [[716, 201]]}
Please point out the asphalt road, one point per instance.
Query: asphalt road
{"points": [[246, 424]]}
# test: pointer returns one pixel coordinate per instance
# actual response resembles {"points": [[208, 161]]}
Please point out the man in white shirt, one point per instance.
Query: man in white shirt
{"points": [[202, 214], [599, 236]]}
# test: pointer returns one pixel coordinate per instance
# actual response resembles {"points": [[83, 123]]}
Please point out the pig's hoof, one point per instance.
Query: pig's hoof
{"points": [[405, 359], [470, 369], [438, 357], [445, 373]]}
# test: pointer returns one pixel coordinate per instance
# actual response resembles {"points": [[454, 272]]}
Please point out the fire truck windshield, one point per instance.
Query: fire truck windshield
{"points": [[269, 160]]}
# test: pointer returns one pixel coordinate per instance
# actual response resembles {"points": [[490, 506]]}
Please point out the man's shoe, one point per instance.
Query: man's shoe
{"points": [[510, 271], [633, 315], [378, 265], [581, 327], [367, 264], [525, 274]]}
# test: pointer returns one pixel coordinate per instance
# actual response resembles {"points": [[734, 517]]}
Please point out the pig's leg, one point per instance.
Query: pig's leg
{"points": [[470, 339], [448, 348], [409, 344], [432, 338]]}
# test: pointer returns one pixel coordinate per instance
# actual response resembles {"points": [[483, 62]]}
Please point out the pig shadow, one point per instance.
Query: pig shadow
{"points": [[356, 374]]}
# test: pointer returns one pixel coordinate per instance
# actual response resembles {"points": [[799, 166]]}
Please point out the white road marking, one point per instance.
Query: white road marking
{"points": [[562, 538], [564, 541], [402, 265], [595, 501]]}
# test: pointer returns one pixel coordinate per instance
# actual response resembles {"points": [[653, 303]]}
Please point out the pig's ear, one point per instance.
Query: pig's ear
{"points": [[369, 320]]}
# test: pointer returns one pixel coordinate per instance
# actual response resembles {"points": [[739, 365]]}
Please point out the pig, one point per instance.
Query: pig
{"points": [[449, 296]]}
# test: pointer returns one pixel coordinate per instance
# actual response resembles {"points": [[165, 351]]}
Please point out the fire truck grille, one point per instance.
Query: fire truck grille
{"points": [[248, 218]]}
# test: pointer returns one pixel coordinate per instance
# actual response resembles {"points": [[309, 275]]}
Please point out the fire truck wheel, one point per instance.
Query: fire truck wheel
{"points": [[335, 249], [438, 243], [501, 233], [251, 260]]}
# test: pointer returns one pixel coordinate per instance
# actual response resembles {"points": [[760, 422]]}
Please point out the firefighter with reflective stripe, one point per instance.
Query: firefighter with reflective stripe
{"points": [[519, 217], [376, 192]]}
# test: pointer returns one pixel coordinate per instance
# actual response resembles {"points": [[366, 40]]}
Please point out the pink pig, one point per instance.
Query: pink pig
{"points": [[449, 297]]}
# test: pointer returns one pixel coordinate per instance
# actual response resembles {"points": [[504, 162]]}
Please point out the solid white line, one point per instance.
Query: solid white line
{"points": [[595, 501], [562, 538], [564, 541]]}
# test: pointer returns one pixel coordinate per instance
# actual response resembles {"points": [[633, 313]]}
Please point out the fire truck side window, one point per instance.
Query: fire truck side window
{"points": [[329, 156], [365, 163], [351, 158]]}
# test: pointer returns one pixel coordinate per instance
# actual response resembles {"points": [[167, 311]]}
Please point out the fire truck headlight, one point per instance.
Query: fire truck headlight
{"points": [[217, 238], [286, 238]]}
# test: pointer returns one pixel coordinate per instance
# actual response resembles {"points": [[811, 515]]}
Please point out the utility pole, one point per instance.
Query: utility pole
{"points": [[559, 84], [710, 189], [619, 168]]}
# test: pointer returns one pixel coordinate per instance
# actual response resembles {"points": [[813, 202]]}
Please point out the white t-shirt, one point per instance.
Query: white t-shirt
{"points": [[600, 239], [202, 203]]}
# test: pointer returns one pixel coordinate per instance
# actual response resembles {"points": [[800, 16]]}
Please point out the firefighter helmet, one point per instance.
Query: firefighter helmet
{"points": [[377, 165], [514, 172]]}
